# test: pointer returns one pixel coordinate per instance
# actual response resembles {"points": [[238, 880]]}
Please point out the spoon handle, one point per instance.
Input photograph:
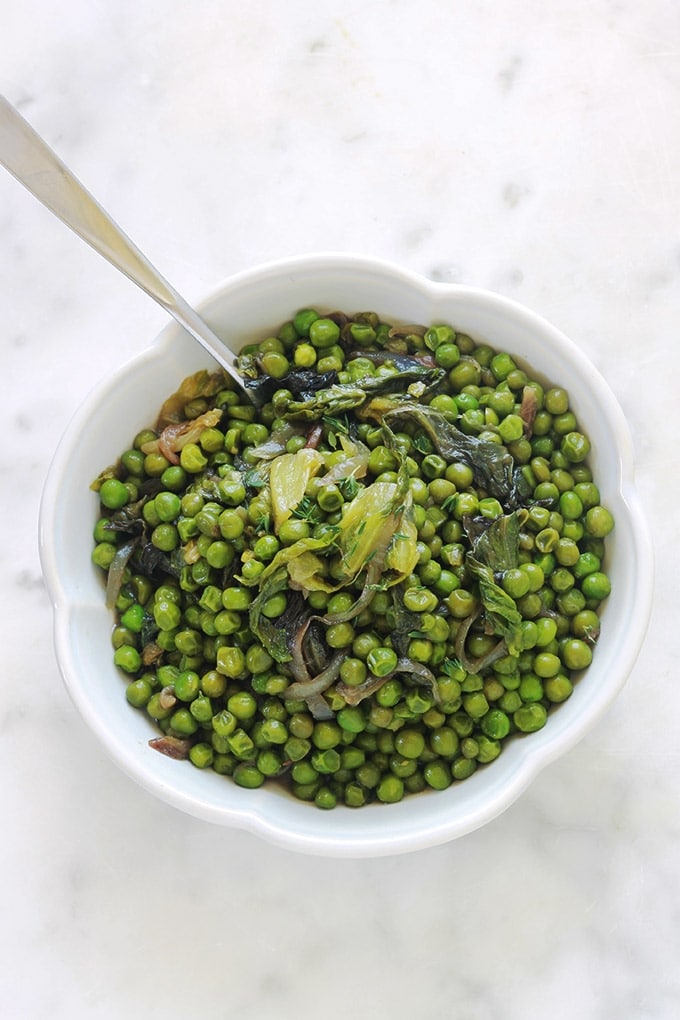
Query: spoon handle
{"points": [[28, 158]]}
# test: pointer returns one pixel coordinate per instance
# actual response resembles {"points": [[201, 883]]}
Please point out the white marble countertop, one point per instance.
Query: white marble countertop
{"points": [[527, 147]]}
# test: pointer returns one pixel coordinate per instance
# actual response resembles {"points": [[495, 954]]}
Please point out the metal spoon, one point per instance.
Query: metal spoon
{"points": [[24, 153]]}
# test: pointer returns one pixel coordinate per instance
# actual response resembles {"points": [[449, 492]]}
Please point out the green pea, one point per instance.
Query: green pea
{"points": [[155, 464], [546, 664], [187, 685], [420, 494], [461, 603], [192, 459], [183, 722], [466, 372], [113, 494], [570, 505], [466, 401], [304, 356], [274, 606], [134, 618], [138, 692], [575, 446], [511, 428], [599, 522], [133, 462], [566, 552], [353, 671], [351, 719], [326, 735], [275, 365], [293, 530], [230, 661], [588, 493], [103, 532], [490, 508], [476, 705], [381, 661], [323, 333], [558, 688], [248, 775], [329, 498], [167, 614], [444, 742], [202, 710], [556, 400], [495, 724], [233, 493], [201, 755], [241, 745], [586, 624], [546, 630], [303, 320], [515, 582], [596, 586], [220, 554], [409, 743], [587, 563], [576, 654], [390, 789], [463, 768], [466, 504], [548, 493], [174, 478], [420, 649], [236, 598], [420, 600], [530, 718], [531, 688], [266, 547], [447, 355], [433, 466]]}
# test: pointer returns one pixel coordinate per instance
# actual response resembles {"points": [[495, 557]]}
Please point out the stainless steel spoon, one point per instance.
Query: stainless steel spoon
{"points": [[24, 153]]}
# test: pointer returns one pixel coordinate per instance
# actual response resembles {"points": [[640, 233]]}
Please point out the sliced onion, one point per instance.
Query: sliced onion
{"points": [[176, 436], [319, 708], [116, 572], [355, 466], [276, 443], [476, 665], [316, 685], [172, 747], [419, 671], [353, 695]]}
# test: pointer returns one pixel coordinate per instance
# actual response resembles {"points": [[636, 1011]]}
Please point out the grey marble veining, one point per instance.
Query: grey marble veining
{"points": [[532, 148]]}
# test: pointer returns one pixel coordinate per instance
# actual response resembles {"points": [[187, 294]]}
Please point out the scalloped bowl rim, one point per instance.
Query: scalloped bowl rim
{"points": [[251, 303]]}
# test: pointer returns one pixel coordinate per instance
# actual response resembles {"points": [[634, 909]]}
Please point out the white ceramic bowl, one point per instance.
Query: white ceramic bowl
{"points": [[249, 306]]}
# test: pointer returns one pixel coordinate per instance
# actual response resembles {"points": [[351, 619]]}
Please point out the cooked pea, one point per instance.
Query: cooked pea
{"points": [[530, 718], [248, 776], [390, 789], [323, 332], [138, 692], [558, 688], [599, 521], [381, 661], [113, 494], [576, 654], [596, 586]]}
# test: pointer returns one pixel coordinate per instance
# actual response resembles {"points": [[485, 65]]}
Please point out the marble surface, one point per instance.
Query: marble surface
{"points": [[528, 147]]}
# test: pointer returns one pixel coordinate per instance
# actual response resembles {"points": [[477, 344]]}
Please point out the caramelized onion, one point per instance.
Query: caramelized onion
{"points": [[114, 580]]}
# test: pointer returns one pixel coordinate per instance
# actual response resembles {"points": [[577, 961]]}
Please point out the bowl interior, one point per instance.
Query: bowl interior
{"points": [[249, 307]]}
